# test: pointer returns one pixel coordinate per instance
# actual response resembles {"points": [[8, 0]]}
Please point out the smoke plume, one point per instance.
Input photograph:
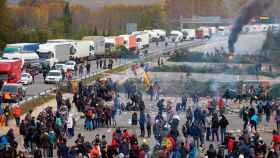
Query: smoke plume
{"points": [[253, 8]]}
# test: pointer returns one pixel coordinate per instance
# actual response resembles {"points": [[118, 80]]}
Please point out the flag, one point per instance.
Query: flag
{"points": [[146, 79]]}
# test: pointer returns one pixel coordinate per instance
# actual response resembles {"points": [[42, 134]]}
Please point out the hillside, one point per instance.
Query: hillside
{"points": [[96, 4]]}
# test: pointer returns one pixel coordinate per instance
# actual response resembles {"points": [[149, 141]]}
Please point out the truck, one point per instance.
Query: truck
{"points": [[10, 71], [52, 53], [189, 34], [202, 33], [82, 50], [176, 36], [27, 52], [205, 31], [142, 39], [153, 36], [161, 34], [128, 41], [98, 45]]}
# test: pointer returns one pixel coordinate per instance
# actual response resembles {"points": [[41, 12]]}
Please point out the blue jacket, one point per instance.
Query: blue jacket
{"points": [[142, 118], [255, 118]]}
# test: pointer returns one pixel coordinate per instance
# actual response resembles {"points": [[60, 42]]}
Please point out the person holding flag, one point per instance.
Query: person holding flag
{"points": [[146, 79]]}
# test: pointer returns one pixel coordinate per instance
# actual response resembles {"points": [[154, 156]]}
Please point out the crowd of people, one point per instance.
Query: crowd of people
{"points": [[187, 129]]}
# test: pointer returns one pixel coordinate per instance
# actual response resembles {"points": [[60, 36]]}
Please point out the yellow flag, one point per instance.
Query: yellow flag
{"points": [[146, 79]]}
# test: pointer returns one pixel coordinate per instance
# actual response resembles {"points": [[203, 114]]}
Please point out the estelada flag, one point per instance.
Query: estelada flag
{"points": [[146, 79]]}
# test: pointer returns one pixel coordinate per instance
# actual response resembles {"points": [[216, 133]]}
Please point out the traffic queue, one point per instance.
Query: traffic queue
{"points": [[60, 59]]}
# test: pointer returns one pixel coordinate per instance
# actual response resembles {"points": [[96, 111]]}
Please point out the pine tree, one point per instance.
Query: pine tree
{"points": [[5, 24], [67, 20], [95, 32]]}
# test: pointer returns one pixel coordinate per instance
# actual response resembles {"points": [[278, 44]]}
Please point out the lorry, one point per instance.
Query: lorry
{"points": [[142, 40], [189, 34], [176, 36], [27, 52], [110, 42], [82, 50], [161, 34], [128, 41], [206, 33], [202, 33], [98, 45], [223, 30], [52, 53], [10, 71], [153, 36]]}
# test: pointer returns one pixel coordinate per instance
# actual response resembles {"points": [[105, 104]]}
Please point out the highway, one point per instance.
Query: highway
{"points": [[215, 42]]}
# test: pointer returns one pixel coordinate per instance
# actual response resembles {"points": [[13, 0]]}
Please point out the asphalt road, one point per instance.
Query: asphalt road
{"points": [[39, 85], [246, 42]]}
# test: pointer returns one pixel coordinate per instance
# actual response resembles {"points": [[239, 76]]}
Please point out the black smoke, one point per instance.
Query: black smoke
{"points": [[253, 8]]}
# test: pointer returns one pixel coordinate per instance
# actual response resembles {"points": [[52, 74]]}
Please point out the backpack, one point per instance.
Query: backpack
{"points": [[58, 122]]}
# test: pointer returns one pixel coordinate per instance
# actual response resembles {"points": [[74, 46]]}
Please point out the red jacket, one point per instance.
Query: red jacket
{"points": [[230, 145], [221, 103]]}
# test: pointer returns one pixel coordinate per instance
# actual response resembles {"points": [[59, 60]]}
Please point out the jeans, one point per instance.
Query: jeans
{"points": [[215, 132], [208, 133], [142, 128], [70, 132], [223, 132], [149, 130]]}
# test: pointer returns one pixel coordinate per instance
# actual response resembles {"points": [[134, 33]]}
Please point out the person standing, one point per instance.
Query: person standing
{"points": [[58, 99], [267, 111], [142, 121], [88, 68], [100, 63], [223, 127], [63, 149], [97, 63], [105, 64], [149, 125], [208, 127], [70, 125], [221, 105], [215, 127], [156, 89], [17, 113]]}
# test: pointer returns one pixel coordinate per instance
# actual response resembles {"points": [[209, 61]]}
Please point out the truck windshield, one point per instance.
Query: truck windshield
{"points": [[4, 77], [45, 55], [9, 88], [11, 50]]}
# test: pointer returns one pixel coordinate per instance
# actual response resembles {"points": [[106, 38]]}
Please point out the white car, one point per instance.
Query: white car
{"points": [[61, 67], [53, 76], [70, 65], [26, 79]]}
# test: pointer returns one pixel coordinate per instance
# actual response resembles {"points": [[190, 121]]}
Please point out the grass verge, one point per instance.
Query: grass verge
{"points": [[29, 105]]}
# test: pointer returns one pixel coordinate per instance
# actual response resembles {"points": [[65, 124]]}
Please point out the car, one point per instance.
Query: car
{"points": [[12, 92], [26, 79], [54, 76], [70, 65], [61, 67]]}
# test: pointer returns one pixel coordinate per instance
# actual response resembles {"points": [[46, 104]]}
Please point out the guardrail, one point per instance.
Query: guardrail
{"points": [[151, 55]]}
